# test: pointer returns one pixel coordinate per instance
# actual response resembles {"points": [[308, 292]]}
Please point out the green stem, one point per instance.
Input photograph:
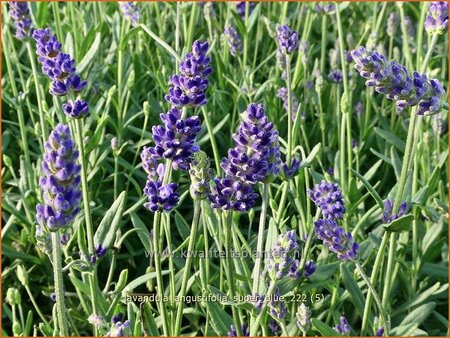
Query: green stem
{"points": [[159, 281], [229, 268], [386, 325], [212, 140], [33, 301], [324, 44], [256, 325], [289, 114], [187, 267], [59, 284]]}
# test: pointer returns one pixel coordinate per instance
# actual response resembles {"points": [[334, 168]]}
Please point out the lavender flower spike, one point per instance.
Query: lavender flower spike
{"points": [[233, 332], [282, 255], [336, 239], [234, 41], [130, 11], [396, 83], [160, 197], [303, 316], [277, 306], [437, 18], [240, 7], [287, 39], [343, 327], [282, 93], [60, 182], [19, 12], [387, 212], [120, 329], [328, 197]]}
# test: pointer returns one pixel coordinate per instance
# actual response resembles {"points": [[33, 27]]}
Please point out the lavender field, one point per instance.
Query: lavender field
{"points": [[224, 168]]}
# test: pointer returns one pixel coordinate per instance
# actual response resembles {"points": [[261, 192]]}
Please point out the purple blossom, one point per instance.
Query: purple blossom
{"points": [[188, 88], [273, 326], [310, 268], [161, 197], [100, 251], [379, 332], [292, 170], [287, 39], [240, 7], [438, 125], [277, 306], [282, 93], [359, 108], [231, 194], [395, 82], [19, 12], [130, 11], [325, 8], [343, 327], [336, 239], [335, 76], [60, 181], [76, 109], [233, 332], [437, 18], [282, 256], [117, 318], [120, 329], [175, 140], [388, 216], [259, 300], [328, 197], [234, 41]]}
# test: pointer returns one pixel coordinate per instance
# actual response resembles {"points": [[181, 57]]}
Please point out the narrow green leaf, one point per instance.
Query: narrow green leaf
{"points": [[87, 58], [391, 138], [148, 322], [323, 328], [353, 289], [370, 188], [144, 234], [312, 155], [419, 314], [401, 224], [219, 319], [160, 41], [141, 280]]}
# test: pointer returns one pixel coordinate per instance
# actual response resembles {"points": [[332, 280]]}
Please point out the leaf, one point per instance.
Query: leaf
{"points": [[144, 234], [149, 326], [110, 222], [219, 319], [323, 328], [396, 163], [90, 54], [403, 330], [391, 138], [141, 280], [370, 188], [417, 300], [353, 289], [401, 224], [419, 315], [312, 155], [160, 41]]}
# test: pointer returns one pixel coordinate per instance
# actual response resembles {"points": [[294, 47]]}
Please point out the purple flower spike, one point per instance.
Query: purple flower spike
{"points": [[100, 251], [234, 41], [343, 327], [231, 194], [380, 332], [328, 197], [335, 76], [19, 12], [282, 93], [287, 39], [396, 83], [277, 306], [130, 11], [240, 7], [437, 18], [60, 181], [175, 140], [120, 329], [336, 239], [388, 216], [160, 197], [76, 109], [188, 88], [233, 332], [291, 171], [281, 261]]}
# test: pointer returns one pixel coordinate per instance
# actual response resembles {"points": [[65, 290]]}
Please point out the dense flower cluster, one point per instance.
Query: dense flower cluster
{"points": [[277, 306], [161, 197], [233, 332], [388, 216], [287, 39], [282, 93], [335, 76], [396, 83], [437, 18], [282, 256], [234, 41], [120, 329], [240, 7], [303, 317], [130, 11], [292, 170], [60, 182], [343, 328], [328, 197], [255, 158], [175, 140], [188, 88], [60, 69], [20, 13], [336, 239], [200, 176]]}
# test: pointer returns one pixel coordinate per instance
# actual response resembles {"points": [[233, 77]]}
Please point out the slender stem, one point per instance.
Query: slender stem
{"points": [[282, 203], [289, 114], [187, 267], [159, 281], [229, 267], [260, 240], [324, 44], [38, 310], [386, 325], [59, 284], [269, 294], [110, 273], [212, 140]]}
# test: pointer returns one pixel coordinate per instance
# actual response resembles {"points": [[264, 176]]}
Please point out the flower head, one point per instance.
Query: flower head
{"points": [[437, 18], [231, 194], [60, 181], [287, 39], [234, 41], [188, 88], [76, 109], [336, 239], [282, 93], [20, 13], [343, 327], [303, 316], [240, 7], [388, 216], [282, 255], [175, 140], [130, 11], [120, 329], [233, 332], [292, 170], [335, 76], [328, 197], [277, 306], [161, 197], [396, 83]]}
